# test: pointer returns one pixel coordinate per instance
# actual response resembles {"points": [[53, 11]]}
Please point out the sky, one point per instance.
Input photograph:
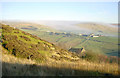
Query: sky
{"points": [[106, 12]]}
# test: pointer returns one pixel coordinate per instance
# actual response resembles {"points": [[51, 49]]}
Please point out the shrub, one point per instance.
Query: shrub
{"points": [[7, 29], [113, 59], [91, 56], [26, 38], [4, 43]]}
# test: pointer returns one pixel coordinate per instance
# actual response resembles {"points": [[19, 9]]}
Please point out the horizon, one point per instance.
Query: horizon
{"points": [[37, 21]]}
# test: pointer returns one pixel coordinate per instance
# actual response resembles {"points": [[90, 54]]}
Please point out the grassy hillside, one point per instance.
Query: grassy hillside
{"points": [[25, 45], [12, 66], [28, 55], [105, 44]]}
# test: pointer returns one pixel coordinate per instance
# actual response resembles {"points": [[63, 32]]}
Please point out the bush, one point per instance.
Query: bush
{"points": [[91, 56], [26, 38], [7, 28]]}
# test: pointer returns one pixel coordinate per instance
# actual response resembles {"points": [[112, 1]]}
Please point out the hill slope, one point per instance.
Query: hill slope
{"points": [[12, 66], [107, 45], [104, 44], [25, 45], [40, 58], [28, 25], [99, 28]]}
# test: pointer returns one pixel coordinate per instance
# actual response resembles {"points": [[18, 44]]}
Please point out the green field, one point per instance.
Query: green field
{"points": [[104, 44]]}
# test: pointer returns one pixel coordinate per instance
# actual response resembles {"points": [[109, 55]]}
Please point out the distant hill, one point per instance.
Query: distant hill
{"points": [[99, 28], [29, 25], [115, 24]]}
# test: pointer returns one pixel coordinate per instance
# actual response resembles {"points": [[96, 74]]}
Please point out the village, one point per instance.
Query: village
{"points": [[91, 35], [70, 34]]}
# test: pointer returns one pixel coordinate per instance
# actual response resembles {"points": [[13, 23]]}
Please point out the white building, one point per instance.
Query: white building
{"points": [[80, 34], [94, 36], [47, 31]]}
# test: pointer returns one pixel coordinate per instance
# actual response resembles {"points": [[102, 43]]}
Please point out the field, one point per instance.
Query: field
{"points": [[24, 54], [107, 45], [104, 44]]}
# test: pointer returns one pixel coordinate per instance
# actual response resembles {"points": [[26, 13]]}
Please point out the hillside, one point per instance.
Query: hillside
{"points": [[25, 54], [28, 25], [104, 44], [107, 45], [25, 45], [99, 28], [12, 66]]}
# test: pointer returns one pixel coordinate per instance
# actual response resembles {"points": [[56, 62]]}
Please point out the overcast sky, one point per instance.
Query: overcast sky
{"points": [[106, 12]]}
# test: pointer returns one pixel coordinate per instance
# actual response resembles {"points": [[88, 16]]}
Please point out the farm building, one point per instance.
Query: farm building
{"points": [[77, 50], [47, 31], [80, 34], [94, 36], [85, 35]]}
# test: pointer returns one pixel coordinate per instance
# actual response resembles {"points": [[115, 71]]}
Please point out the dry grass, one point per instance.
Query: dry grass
{"points": [[13, 66], [20, 66]]}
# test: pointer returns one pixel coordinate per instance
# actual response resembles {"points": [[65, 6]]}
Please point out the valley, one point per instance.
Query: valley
{"points": [[59, 38], [97, 43], [23, 52]]}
